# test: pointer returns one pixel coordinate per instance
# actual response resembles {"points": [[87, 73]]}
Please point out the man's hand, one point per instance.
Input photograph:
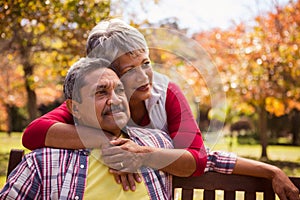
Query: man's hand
{"points": [[127, 180], [284, 188]]}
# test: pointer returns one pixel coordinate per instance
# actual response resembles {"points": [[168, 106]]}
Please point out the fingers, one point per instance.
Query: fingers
{"points": [[121, 160], [112, 151], [293, 194], [119, 141], [127, 180], [284, 188], [114, 159], [116, 165], [118, 161], [137, 177], [282, 196], [116, 176]]}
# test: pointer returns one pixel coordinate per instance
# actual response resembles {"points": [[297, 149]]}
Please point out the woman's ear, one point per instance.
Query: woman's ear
{"points": [[73, 108]]}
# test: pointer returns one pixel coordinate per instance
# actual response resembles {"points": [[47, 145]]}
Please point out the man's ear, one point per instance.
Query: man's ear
{"points": [[73, 108]]}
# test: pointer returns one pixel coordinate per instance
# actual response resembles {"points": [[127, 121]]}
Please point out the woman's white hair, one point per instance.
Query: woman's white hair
{"points": [[111, 38]]}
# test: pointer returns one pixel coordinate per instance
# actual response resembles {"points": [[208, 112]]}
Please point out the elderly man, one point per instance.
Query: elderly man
{"points": [[96, 98]]}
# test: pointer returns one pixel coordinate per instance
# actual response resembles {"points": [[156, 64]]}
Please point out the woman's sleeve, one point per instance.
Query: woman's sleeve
{"points": [[35, 134], [183, 128]]}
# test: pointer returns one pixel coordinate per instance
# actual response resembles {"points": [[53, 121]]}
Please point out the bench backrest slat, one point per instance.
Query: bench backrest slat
{"points": [[187, 194], [229, 195], [209, 194]]}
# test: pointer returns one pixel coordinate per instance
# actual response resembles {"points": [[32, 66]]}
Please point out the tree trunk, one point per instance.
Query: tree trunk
{"points": [[31, 95], [295, 126], [31, 103], [9, 119], [262, 130]]}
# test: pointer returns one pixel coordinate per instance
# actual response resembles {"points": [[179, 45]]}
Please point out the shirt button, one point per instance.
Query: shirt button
{"points": [[81, 166], [76, 197]]}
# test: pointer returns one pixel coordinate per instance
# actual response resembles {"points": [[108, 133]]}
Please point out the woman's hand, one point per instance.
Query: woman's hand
{"points": [[129, 157], [124, 155]]}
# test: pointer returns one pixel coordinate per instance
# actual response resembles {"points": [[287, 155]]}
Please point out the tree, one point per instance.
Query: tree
{"points": [[11, 87], [260, 64], [46, 35]]}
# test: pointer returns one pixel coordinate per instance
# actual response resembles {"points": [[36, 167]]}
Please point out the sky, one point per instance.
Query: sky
{"points": [[196, 15]]}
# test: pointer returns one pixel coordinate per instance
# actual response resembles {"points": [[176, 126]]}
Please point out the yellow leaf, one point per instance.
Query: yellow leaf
{"points": [[275, 106]]}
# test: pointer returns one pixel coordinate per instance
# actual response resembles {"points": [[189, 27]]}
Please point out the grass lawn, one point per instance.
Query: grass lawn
{"points": [[285, 157], [6, 144]]}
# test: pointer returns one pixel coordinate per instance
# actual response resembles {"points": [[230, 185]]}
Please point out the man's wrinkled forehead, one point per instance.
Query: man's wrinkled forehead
{"points": [[102, 78]]}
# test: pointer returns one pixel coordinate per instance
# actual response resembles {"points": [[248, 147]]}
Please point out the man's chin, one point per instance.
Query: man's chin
{"points": [[120, 120], [114, 128], [121, 123]]}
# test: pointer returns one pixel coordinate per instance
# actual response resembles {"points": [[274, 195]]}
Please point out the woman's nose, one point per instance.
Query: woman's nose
{"points": [[140, 73]]}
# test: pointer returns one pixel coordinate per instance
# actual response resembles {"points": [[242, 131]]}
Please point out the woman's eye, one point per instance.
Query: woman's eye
{"points": [[131, 70], [146, 65]]}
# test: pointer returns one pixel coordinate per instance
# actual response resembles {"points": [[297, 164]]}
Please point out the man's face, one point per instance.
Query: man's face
{"points": [[104, 90]]}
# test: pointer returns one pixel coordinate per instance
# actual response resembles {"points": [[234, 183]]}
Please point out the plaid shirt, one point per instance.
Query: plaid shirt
{"points": [[219, 161], [61, 174], [49, 173]]}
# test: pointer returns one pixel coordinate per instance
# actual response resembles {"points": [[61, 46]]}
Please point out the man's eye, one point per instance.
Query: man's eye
{"points": [[119, 90], [100, 92]]}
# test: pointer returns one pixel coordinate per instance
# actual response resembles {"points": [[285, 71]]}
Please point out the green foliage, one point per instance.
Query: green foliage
{"points": [[260, 66], [44, 38]]}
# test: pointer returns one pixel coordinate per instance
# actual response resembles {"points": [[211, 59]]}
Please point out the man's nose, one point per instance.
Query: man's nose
{"points": [[114, 99]]}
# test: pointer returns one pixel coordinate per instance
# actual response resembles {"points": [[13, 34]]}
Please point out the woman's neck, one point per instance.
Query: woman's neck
{"points": [[138, 111]]}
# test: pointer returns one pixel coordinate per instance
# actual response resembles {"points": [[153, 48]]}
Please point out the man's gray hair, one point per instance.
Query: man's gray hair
{"points": [[75, 78], [111, 38]]}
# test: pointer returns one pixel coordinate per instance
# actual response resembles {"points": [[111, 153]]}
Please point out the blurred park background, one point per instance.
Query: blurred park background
{"points": [[257, 59]]}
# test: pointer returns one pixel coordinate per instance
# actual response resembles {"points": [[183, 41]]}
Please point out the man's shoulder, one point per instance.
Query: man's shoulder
{"points": [[150, 137], [49, 149], [51, 152], [144, 131]]}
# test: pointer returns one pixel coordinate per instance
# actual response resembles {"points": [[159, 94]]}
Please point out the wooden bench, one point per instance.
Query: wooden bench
{"points": [[212, 182], [209, 183], [15, 157]]}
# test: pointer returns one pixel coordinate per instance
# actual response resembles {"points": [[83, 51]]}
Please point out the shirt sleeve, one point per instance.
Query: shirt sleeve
{"points": [[183, 128], [220, 161], [24, 182], [35, 134]]}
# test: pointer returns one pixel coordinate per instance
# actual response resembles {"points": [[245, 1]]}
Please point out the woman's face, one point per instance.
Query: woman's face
{"points": [[136, 73]]}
